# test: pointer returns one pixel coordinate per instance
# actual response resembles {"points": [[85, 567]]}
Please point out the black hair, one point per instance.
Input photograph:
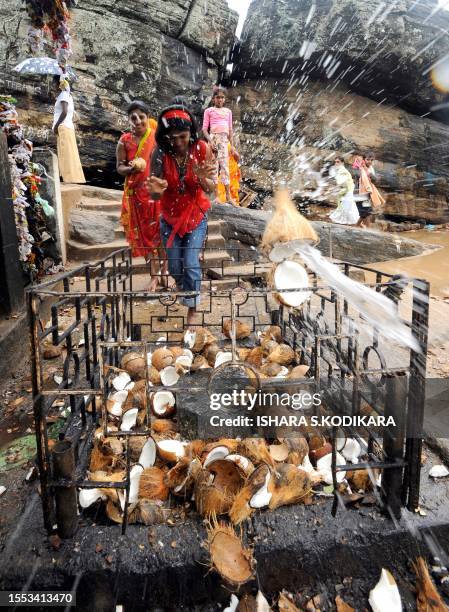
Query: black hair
{"points": [[217, 90], [179, 101], [165, 126], [340, 157], [138, 105], [369, 154]]}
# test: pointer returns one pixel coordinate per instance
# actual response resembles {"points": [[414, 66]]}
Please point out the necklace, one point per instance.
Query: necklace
{"points": [[182, 169]]}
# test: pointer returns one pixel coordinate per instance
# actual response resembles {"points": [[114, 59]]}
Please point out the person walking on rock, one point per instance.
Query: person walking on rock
{"points": [[140, 214], [182, 176], [346, 211], [367, 178], [68, 157], [218, 131]]}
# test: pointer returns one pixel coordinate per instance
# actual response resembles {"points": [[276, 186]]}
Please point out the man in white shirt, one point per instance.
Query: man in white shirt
{"points": [[69, 161]]}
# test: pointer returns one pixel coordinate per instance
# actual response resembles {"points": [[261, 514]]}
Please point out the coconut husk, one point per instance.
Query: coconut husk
{"points": [[243, 353], [200, 362], [298, 448], [142, 417], [154, 375], [135, 445], [139, 163], [101, 476], [227, 475], [298, 371], [135, 364], [342, 606], [242, 330], [113, 512], [181, 478], [320, 452], [228, 556], [137, 396], [241, 510], [272, 332], [148, 512], [285, 604], [202, 339], [209, 499], [210, 353], [271, 369], [256, 449], [286, 224], [283, 354], [360, 480], [230, 443], [255, 357], [162, 358], [428, 599], [288, 485], [251, 603], [195, 448], [163, 425], [316, 441], [152, 485], [268, 345], [177, 351], [100, 460]]}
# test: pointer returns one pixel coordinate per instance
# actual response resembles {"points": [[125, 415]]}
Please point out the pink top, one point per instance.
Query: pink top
{"points": [[217, 120]]}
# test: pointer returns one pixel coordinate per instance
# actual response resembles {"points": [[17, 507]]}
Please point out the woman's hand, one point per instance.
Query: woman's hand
{"points": [[205, 171], [156, 185], [235, 154]]}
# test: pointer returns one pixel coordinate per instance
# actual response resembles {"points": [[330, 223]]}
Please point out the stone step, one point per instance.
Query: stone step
{"points": [[119, 233], [216, 241], [87, 203], [214, 258], [77, 251], [238, 269]]}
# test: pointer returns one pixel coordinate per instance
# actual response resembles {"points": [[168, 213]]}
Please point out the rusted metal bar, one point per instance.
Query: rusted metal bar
{"points": [[66, 499], [393, 442]]}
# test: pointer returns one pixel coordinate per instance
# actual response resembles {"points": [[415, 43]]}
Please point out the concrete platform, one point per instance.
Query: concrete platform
{"points": [[167, 566]]}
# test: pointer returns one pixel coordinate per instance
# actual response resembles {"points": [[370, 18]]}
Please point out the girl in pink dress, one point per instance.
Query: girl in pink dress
{"points": [[217, 130]]}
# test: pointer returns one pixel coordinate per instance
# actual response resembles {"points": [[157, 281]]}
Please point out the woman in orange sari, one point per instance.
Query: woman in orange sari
{"points": [[140, 214]]}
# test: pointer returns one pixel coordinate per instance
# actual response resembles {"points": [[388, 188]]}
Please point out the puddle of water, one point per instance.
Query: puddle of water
{"points": [[433, 267]]}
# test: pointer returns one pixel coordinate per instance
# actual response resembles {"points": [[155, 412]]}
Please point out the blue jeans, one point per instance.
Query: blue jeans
{"points": [[183, 259]]}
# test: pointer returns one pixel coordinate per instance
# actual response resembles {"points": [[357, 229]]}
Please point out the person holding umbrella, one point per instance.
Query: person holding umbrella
{"points": [[69, 160]]}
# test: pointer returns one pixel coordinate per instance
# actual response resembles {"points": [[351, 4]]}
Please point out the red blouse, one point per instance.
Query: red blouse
{"points": [[184, 203]]}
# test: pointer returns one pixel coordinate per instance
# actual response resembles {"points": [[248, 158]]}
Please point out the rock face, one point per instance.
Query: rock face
{"points": [[379, 49], [149, 50], [281, 123]]}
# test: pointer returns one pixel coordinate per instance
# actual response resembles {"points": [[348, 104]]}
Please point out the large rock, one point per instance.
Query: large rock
{"points": [[279, 124], [149, 50], [380, 49], [92, 227]]}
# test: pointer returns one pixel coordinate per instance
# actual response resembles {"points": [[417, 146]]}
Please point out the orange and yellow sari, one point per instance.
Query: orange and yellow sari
{"points": [[235, 177]]}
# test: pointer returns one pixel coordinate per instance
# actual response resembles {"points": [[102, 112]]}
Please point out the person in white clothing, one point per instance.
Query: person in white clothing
{"points": [[346, 211], [70, 167]]}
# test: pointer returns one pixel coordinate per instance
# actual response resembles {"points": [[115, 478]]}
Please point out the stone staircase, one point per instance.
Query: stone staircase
{"points": [[95, 232]]}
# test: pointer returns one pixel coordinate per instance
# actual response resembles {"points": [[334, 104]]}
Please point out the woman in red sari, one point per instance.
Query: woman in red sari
{"points": [[140, 213]]}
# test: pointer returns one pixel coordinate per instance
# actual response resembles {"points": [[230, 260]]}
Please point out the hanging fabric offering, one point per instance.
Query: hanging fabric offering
{"points": [[33, 215], [51, 16]]}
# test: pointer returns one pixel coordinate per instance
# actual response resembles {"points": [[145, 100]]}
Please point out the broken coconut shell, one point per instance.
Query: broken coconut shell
{"points": [[228, 557], [152, 484], [181, 478], [242, 330], [283, 354], [255, 356], [298, 371], [241, 508], [135, 364], [163, 425], [210, 353], [288, 485], [137, 396], [162, 358], [256, 449]]}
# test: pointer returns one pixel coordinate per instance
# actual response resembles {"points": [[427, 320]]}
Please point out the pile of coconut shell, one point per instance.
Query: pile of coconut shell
{"points": [[225, 477]]}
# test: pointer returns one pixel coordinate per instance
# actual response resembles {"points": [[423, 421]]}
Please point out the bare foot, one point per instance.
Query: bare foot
{"points": [[152, 287]]}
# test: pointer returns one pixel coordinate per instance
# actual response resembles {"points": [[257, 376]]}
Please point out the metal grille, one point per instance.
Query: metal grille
{"points": [[95, 318]]}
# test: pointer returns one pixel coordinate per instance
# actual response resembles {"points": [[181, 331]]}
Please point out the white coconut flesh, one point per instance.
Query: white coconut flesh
{"points": [[119, 396], [189, 339], [291, 275], [129, 419], [183, 363], [219, 452], [116, 409], [324, 468], [162, 401], [169, 376], [87, 497], [283, 373], [149, 358], [188, 353], [121, 381], [222, 358], [352, 450], [240, 460], [173, 447], [283, 250], [134, 477], [148, 454], [385, 595], [263, 497]]}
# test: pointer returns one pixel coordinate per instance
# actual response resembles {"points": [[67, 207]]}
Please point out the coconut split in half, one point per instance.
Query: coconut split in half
{"points": [[291, 275], [163, 403], [171, 450], [228, 556]]}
